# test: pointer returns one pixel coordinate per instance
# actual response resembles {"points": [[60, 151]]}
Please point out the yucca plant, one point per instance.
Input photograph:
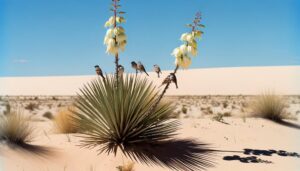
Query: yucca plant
{"points": [[15, 129], [269, 106], [112, 117]]}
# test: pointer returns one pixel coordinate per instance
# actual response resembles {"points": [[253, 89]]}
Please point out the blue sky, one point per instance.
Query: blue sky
{"points": [[65, 37]]}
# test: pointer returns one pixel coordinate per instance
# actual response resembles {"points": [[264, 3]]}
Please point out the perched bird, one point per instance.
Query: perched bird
{"points": [[134, 66], [141, 68], [120, 70], [156, 69], [173, 79], [167, 80], [99, 71]]}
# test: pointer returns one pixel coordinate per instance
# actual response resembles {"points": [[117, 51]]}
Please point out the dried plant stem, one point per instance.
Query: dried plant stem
{"points": [[162, 94]]}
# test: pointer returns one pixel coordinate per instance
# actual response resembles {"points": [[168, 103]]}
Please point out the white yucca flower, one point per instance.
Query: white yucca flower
{"points": [[122, 45], [109, 33], [197, 34], [177, 53], [183, 48], [121, 37], [190, 38], [183, 62], [110, 22], [119, 30], [120, 19], [184, 36], [192, 50]]}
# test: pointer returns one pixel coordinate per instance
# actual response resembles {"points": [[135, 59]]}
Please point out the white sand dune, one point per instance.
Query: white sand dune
{"points": [[210, 81]]}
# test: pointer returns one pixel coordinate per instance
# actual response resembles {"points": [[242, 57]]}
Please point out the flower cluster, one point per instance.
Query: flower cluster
{"points": [[115, 38], [184, 52]]}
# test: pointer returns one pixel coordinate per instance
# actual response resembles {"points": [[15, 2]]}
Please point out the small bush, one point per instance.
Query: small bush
{"points": [[48, 115], [126, 167], [31, 106], [184, 109], [8, 109], [227, 114], [64, 122], [15, 129], [218, 117], [269, 106], [225, 104]]}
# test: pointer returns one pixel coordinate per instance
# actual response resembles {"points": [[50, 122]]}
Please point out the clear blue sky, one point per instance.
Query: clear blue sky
{"points": [[65, 37]]}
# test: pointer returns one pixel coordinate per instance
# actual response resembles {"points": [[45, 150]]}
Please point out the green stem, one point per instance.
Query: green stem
{"points": [[117, 54]]}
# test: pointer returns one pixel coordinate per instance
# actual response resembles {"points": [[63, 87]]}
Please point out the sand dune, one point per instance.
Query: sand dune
{"points": [[214, 81]]}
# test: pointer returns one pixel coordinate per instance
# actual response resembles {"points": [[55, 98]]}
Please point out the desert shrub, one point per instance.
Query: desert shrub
{"points": [[64, 122], [218, 117], [31, 106], [269, 106], [15, 129], [126, 167], [114, 114], [184, 109], [225, 104], [226, 114], [7, 109], [48, 115]]}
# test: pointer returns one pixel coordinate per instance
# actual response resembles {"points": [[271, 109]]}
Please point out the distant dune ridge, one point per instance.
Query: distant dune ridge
{"points": [[283, 80]]}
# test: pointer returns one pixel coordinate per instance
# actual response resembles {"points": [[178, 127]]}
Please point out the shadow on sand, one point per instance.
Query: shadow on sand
{"points": [[33, 150], [255, 152], [288, 124], [186, 154]]}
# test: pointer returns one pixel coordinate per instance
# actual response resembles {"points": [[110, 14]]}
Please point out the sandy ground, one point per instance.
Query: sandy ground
{"points": [[228, 138], [209, 81], [237, 135], [238, 142]]}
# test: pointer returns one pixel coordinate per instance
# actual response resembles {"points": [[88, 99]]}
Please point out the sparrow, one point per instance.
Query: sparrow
{"points": [[173, 79], [99, 71], [141, 68], [134, 66], [120, 70], [157, 70]]}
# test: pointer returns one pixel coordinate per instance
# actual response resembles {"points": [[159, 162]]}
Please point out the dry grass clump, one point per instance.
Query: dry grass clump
{"points": [[126, 167], [15, 129], [64, 122], [269, 106]]}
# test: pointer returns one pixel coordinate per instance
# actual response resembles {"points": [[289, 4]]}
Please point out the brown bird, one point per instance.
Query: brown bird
{"points": [[173, 79], [134, 66], [141, 68], [120, 70], [156, 69], [99, 71]]}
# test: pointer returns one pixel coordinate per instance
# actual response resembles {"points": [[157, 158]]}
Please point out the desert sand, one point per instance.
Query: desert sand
{"points": [[209, 81], [236, 142]]}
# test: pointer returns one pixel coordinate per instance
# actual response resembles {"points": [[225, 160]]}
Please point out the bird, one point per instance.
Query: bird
{"points": [[99, 71], [156, 69], [134, 66], [167, 80], [120, 70], [173, 79], [141, 68]]}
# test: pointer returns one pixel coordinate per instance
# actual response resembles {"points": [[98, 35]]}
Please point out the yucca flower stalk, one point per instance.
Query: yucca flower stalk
{"points": [[184, 52], [115, 38]]}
